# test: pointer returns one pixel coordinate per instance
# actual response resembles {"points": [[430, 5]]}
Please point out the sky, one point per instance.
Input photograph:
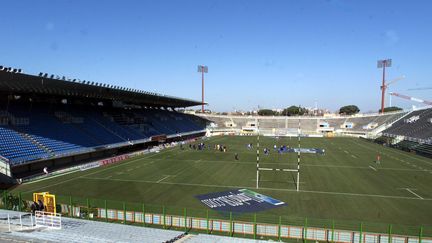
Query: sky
{"points": [[267, 54]]}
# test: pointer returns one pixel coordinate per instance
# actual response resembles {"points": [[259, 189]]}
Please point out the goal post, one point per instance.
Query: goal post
{"points": [[258, 168]]}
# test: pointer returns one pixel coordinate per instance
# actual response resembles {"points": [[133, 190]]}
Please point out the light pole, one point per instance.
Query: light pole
{"points": [[202, 69], [383, 64]]}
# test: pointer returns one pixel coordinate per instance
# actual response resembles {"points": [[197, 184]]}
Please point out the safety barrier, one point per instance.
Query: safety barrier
{"points": [[16, 221], [252, 225], [232, 227], [48, 219]]}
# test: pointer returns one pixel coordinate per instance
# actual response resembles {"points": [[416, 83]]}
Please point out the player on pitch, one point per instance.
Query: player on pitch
{"points": [[378, 159]]}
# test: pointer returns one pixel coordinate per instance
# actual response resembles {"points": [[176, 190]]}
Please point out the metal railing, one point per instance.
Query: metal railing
{"points": [[17, 221], [250, 225], [48, 219]]}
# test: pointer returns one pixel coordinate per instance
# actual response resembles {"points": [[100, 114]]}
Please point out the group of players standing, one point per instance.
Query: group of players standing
{"points": [[223, 148], [203, 146]]}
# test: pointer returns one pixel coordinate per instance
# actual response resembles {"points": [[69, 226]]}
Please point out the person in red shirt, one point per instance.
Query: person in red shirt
{"points": [[378, 159]]}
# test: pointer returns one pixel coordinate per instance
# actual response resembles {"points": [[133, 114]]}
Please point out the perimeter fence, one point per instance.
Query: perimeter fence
{"points": [[249, 225]]}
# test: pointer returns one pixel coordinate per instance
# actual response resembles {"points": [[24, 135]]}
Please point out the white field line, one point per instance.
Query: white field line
{"points": [[264, 168], [50, 177], [162, 179], [285, 163], [263, 188], [50, 185], [392, 150], [401, 160], [413, 193], [372, 168], [95, 172]]}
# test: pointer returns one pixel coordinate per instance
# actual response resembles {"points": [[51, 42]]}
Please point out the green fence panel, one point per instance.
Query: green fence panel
{"points": [[88, 208]]}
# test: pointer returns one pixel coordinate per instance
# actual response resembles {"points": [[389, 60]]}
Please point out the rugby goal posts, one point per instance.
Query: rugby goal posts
{"points": [[259, 169]]}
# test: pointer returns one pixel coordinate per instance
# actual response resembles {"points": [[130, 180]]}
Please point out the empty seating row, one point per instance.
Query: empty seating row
{"points": [[16, 147], [63, 130], [420, 127]]}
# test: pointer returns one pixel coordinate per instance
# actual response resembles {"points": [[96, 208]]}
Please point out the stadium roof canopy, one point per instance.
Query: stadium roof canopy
{"points": [[19, 83]]}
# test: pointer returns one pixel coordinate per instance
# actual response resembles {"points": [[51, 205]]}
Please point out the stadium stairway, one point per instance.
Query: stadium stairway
{"points": [[37, 143], [118, 129], [17, 148]]}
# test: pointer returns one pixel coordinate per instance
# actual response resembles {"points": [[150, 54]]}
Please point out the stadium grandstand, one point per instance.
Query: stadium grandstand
{"points": [[48, 121], [406, 130], [412, 133], [364, 125]]}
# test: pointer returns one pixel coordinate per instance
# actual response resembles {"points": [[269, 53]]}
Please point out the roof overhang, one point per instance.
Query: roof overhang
{"points": [[18, 83]]}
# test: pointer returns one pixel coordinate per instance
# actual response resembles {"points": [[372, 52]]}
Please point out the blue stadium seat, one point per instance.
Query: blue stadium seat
{"points": [[65, 130]]}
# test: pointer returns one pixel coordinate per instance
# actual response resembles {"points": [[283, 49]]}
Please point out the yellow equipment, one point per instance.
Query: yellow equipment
{"points": [[330, 134], [47, 199]]}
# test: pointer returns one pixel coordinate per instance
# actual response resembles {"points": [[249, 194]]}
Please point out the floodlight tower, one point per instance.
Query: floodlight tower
{"points": [[202, 69], [383, 64]]}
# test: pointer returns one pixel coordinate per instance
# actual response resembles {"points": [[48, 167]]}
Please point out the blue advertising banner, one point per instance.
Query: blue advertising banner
{"points": [[285, 149], [239, 201]]}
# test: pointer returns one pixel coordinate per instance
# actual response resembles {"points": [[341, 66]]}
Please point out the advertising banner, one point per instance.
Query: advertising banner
{"points": [[239, 201]]}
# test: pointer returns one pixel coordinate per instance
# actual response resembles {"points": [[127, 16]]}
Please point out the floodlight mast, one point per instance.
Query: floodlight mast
{"points": [[202, 69], [383, 64]]}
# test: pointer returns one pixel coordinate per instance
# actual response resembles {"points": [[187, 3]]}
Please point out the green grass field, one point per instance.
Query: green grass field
{"points": [[344, 185]]}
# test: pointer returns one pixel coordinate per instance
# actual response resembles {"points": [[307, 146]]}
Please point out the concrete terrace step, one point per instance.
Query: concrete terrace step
{"points": [[77, 230], [203, 238]]}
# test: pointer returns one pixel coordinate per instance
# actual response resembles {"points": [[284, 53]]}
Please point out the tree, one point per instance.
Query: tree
{"points": [[266, 112], [391, 108], [349, 110], [294, 111]]}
